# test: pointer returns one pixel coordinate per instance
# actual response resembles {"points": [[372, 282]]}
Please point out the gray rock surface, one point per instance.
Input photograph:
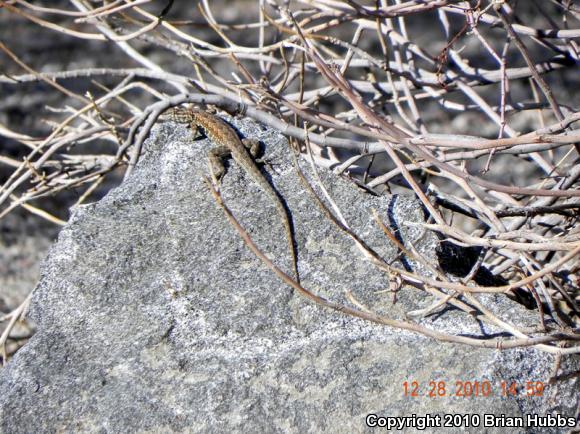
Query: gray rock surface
{"points": [[153, 316]]}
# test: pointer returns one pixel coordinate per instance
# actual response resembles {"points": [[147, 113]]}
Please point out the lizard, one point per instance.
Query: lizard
{"points": [[243, 152]]}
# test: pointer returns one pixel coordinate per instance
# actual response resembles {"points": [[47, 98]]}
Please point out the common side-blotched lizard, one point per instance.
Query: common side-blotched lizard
{"points": [[229, 144]]}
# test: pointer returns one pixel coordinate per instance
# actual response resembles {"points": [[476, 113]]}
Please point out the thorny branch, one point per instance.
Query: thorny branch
{"points": [[465, 114]]}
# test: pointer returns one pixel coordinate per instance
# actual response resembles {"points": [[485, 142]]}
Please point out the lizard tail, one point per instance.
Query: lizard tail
{"points": [[293, 252], [291, 236]]}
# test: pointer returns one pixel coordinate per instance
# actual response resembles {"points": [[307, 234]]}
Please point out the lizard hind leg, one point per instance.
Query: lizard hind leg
{"points": [[216, 161], [253, 146]]}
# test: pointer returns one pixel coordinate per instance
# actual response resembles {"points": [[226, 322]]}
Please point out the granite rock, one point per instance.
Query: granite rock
{"points": [[153, 315]]}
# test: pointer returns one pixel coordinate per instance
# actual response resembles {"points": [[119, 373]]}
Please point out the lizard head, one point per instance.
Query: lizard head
{"points": [[181, 115]]}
